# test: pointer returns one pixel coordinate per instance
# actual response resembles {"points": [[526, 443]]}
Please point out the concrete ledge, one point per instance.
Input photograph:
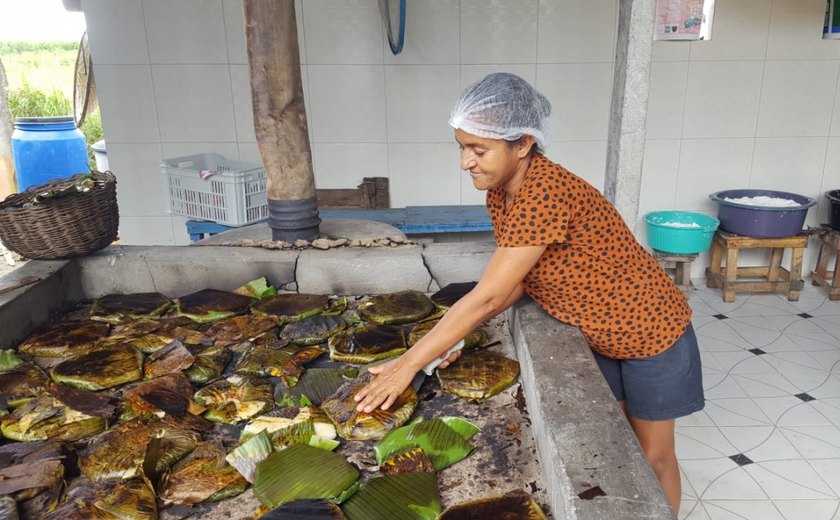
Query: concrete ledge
{"points": [[582, 437], [458, 261]]}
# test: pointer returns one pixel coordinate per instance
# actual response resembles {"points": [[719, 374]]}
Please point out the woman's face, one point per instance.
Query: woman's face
{"points": [[493, 163]]}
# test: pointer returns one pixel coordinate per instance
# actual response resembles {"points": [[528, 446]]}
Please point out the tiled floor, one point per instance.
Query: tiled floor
{"points": [[767, 445]]}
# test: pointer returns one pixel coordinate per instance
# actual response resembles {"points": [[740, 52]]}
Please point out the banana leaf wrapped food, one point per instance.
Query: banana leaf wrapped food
{"points": [[132, 499], [171, 394], [235, 399], [289, 307], [116, 308], [314, 386], [45, 417], [447, 296], [211, 305], [202, 476], [366, 344], [478, 375], [208, 364], [124, 451], [516, 504], [286, 362], [474, 339], [169, 329], [22, 383], [172, 358], [239, 328], [100, 369], [313, 330], [397, 308], [24, 481], [353, 425], [409, 496], [65, 339]]}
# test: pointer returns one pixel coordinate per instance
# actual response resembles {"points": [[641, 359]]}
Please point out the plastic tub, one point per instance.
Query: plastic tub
{"points": [[47, 148], [680, 232], [761, 221], [833, 197], [100, 155]]}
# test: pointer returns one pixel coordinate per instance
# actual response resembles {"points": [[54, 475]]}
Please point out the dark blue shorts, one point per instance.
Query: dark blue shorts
{"points": [[665, 386]]}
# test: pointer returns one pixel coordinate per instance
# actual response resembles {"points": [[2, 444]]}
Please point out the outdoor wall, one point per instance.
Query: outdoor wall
{"points": [[753, 107]]}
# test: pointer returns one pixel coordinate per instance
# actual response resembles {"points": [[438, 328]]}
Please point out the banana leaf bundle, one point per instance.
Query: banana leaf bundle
{"points": [[170, 359], [8, 508], [45, 417], [202, 476], [313, 330], [446, 297], [125, 451], [65, 339], [301, 471], [247, 455], [132, 499], [235, 399], [410, 496], [306, 509], [409, 461], [100, 369], [22, 383], [291, 307], [170, 329], [257, 289], [208, 364], [116, 308], [211, 305], [367, 344], [285, 363], [23, 481], [313, 386], [8, 360], [353, 425], [171, 395], [285, 431], [516, 504], [397, 308], [239, 328], [443, 440], [474, 339], [478, 375]]}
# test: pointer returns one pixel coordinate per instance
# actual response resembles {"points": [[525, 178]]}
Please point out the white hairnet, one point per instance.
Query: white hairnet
{"points": [[502, 106]]}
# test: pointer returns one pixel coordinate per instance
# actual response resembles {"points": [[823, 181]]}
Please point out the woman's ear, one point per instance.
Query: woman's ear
{"points": [[525, 145]]}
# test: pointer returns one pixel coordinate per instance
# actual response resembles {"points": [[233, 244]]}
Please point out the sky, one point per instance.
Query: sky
{"points": [[39, 20]]}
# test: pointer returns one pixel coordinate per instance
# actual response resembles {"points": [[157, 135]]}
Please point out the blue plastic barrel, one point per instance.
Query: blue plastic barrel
{"points": [[47, 148]]}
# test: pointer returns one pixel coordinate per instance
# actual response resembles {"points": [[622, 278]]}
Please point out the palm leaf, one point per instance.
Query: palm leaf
{"points": [[410, 496], [442, 444]]}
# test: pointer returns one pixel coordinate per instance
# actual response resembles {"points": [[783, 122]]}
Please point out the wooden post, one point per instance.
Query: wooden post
{"points": [[8, 184], [280, 118]]}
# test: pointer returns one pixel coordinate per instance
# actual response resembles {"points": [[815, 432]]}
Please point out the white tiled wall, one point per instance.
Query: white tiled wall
{"points": [[756, 106]]}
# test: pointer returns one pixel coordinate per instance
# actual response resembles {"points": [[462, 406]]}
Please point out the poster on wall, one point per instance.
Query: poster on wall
{"points": [[831, 27], [683, 19]]}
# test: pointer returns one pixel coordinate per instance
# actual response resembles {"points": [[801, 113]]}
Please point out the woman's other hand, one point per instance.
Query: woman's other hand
{"points": [[450, 359]]}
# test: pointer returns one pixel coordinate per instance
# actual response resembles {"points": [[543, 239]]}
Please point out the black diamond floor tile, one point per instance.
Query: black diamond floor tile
{"points": [[741, 459], [805, 397], [721, 316], [804, 315], [757, 351]]}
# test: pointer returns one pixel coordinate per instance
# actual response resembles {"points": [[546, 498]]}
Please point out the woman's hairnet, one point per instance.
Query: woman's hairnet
{"points": [[502, 106]]}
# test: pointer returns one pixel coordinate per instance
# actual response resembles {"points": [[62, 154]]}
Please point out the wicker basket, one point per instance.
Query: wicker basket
{"points": [[65, 227]]}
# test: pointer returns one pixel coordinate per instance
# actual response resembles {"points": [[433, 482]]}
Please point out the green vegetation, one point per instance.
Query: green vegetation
{"points": [[40, 76]]}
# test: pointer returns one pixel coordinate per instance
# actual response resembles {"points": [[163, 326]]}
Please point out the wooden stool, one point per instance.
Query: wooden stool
{"points": [[771, 278], [830, 245], [681, 269]]}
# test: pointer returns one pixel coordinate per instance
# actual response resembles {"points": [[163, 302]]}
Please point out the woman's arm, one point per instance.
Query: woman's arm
{"points": [[500, 286]]}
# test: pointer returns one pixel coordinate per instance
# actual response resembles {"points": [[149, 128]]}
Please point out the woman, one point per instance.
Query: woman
{"points": [[561, 242]]}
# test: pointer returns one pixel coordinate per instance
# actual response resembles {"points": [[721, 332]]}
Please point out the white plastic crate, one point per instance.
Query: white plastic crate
{"points": [[232, 192]]}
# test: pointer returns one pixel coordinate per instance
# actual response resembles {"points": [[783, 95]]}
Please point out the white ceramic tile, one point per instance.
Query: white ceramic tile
{"points": [[808, 509], [146, 231], [580, 98], [739, 31], [345, 165], [789, 479], [586, 159], [827, 469], [234, 18], [700, 418], [194, 102], [726, 388], [432, 35], [702, 442], [348, 103], [187, 31], [110, 21], [227, 150], [702, 473], [243, 108], [710, 165], [748, 438], [418, 98], [795, 98], [796, 31], [765, 385], [498, 31], [735, 412], [577, 31], [342, 32], [666, 99], [722, 99], [793, 164], [127, 103], [659, 175], [141, 190], [688, 507], [424, 174], [472, 73], [814, 442], [698, 512], [670, 51], [775, 408], [739, 509]]}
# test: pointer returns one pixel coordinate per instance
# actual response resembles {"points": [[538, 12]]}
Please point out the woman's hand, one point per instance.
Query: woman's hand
{"points": [[390, 380]]}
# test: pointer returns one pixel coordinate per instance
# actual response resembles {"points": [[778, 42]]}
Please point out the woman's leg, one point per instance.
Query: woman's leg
{"points": [[657, 441]]}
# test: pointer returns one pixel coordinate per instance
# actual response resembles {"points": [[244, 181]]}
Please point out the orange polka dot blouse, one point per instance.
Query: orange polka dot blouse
{"points": [[593, 274]]}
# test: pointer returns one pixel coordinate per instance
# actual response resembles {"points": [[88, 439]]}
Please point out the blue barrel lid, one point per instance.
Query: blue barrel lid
{"points": [[43, 120]]}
